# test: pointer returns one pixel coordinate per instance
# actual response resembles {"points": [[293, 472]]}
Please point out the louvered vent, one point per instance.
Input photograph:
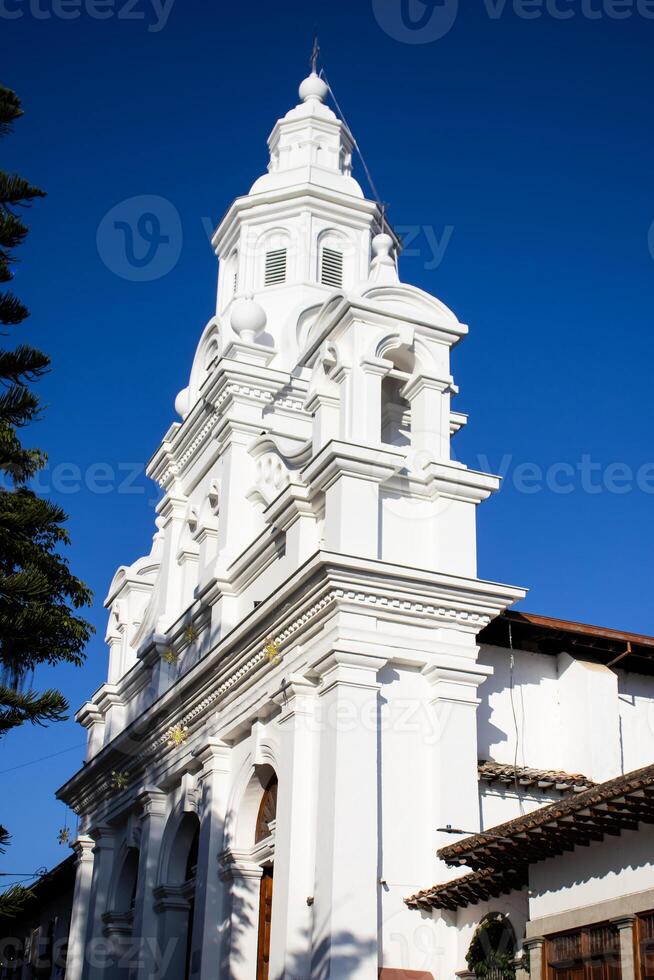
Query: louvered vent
{"points": [[275, 267], [331, 267]]}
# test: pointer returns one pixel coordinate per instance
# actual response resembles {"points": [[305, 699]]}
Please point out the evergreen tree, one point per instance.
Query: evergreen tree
{"points": [[39, 595]]}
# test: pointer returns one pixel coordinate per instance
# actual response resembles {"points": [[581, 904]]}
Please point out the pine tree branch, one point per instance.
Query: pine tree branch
{"points": [[18, 707], [13, 900]]}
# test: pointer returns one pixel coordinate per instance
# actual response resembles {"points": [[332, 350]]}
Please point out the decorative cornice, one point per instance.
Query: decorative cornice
{"points": [[323, 583]]}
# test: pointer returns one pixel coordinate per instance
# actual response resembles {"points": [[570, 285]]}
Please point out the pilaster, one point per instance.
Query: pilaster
{"points": [[153, 807], [345, 926], [535, 947], [290, 952], [79, 921], [209, 956], [103, 852], [625, 925], [245, 877]]}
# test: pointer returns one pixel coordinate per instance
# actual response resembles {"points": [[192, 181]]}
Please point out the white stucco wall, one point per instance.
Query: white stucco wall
{"points": [[536, 709], [569, 715], [593, 874]]}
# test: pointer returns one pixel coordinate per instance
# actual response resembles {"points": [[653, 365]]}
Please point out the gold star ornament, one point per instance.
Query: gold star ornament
{"points": [[272, 652], [178, 735], [119, 780]]}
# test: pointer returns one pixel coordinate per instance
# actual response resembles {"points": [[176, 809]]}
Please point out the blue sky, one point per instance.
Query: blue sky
{"points": [[514, 146]]}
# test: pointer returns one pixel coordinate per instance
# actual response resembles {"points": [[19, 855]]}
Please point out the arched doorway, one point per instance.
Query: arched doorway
{"points": [[491, 954], [264, 829]]}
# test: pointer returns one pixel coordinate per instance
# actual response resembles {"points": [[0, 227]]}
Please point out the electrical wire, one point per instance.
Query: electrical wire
{"points": [[515, 717], [42, 758], [375, 194]]}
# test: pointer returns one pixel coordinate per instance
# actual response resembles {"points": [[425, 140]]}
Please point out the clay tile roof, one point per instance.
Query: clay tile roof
{"points": [[469, 889], [499, 772], [500, 857]]}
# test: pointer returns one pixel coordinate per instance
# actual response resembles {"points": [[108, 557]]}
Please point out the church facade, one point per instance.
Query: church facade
{"points": [[311, 696]]}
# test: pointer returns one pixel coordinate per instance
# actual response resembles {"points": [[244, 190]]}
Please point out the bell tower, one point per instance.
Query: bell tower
{"points": [[307, 617]]}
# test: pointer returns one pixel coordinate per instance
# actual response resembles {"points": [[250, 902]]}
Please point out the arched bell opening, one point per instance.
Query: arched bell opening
{"points": [[395, 409]]}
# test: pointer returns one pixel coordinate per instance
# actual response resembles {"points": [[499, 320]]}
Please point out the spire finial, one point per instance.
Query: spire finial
{"points": [[313, 88], [314, 56]]}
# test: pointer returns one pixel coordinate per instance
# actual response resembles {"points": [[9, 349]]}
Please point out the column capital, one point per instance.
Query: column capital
{"points": [[623, 921], [83, 847], [117, 923], [152, 802], [376, 365], [458, 683], [238, 864], [214, 756], [534, 942], [344, 669], [425, 381], [103, 837], [170, 897], [296, 697]]}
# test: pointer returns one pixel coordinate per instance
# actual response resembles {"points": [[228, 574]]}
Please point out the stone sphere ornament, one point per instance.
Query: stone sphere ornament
{"points": [[248, 319], [313, 87]]}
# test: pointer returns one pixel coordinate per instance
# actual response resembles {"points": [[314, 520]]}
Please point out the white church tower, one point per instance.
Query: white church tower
{"points": [[290, 708]]}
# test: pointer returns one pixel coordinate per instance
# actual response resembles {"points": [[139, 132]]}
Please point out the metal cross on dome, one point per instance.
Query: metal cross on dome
{"points": [[314, 56]]}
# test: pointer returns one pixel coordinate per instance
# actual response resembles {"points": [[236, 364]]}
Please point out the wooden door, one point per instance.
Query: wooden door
{"points": [[265, 918]]}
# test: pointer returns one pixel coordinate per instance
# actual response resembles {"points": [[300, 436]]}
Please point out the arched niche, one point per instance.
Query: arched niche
{"points": [[181, 842], [261, 778], [491, 953], [124, 893]]}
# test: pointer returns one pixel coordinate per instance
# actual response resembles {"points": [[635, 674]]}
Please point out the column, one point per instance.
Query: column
{"points": [[625, 925], [535, 949], [326, 412], [345, 909], [454, 761], [98, 946], [290, 946], [153, 806], [245, 879], [210, 951], [365, 421], [79, 919], [430, 415]]}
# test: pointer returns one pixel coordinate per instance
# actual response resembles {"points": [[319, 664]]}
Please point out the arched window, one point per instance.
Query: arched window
{"points": [[492, 950]]}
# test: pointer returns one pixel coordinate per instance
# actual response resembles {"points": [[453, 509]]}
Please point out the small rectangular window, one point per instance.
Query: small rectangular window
{"points": [[331, 267], [275, 267]]}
